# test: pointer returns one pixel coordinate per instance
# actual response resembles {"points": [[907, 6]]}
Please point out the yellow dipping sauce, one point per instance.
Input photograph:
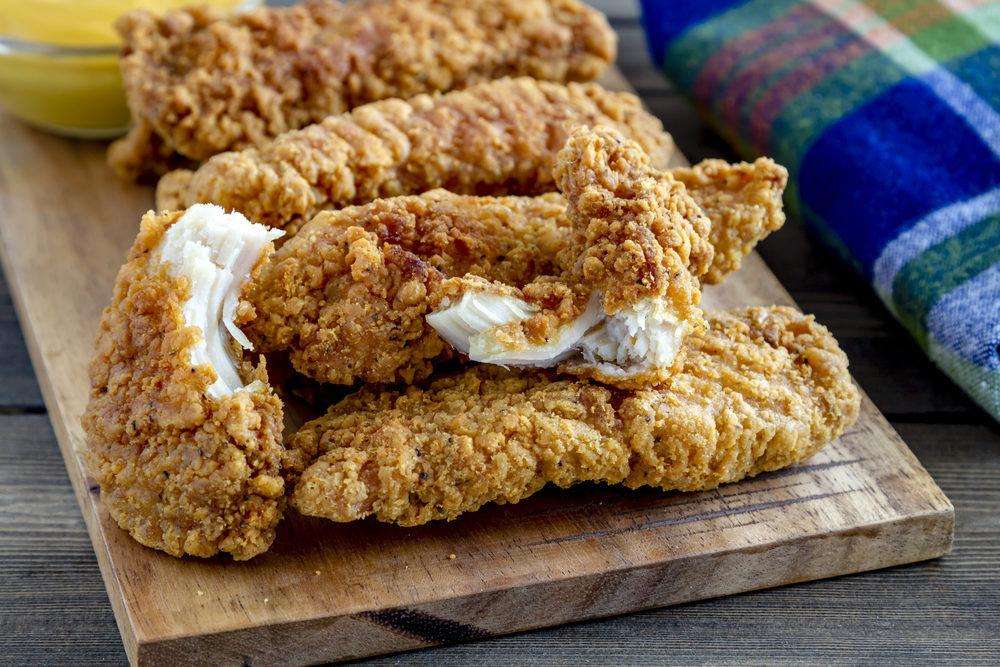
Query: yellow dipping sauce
{"points": [[59, 62]]}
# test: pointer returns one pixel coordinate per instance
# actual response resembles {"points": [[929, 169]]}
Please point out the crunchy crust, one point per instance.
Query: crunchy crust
{"points": [[742, 200], [180, 471], [760, 389], [205, 82], [636, 235], [347, 295], [510, 240], [495, 138]]}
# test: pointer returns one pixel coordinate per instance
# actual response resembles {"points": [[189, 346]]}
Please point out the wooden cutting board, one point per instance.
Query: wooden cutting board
{"points": [[330, 591]]}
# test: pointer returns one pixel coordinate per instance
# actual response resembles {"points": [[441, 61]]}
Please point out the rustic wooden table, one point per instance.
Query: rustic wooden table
{"points": [[54, 609]]}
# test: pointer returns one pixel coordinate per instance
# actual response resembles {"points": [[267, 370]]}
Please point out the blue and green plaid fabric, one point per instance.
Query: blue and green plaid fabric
{"points": [[887, 115]]}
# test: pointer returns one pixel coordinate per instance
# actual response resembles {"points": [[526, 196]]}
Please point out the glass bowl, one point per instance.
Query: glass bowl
{"points": [[70, 90], [70, 83]]}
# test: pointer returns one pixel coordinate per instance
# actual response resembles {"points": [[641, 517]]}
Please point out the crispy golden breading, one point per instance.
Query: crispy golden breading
{"points": [[372, 319], [181, 470], [742, 200], [200, 81], [760, 389], [627, 289], [350, 303], [495, 138], [347, 295]]}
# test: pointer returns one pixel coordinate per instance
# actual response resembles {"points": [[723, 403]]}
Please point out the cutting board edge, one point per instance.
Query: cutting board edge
{"points": [[645, 581]]}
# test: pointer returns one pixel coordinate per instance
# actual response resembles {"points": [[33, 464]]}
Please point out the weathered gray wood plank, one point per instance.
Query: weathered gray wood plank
{"points": [[18, 387]]}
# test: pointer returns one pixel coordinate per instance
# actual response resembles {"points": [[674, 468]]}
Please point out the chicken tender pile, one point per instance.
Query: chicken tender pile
{"points": [[508, 273], [753, 390], [200, 82]]}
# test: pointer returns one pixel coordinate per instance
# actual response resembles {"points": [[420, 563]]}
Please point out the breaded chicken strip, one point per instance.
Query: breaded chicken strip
{"points": [[627, 291], [200, 81], [185, 437], [348, 295], [742, 200], [495, 138], [760, 389]]}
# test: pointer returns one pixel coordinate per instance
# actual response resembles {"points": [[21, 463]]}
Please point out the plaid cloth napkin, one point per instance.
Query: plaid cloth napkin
{"points": [[887, 115]]}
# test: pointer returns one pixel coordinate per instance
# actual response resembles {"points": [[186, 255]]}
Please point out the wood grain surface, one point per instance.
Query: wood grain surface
{"points": [[58, 613]]}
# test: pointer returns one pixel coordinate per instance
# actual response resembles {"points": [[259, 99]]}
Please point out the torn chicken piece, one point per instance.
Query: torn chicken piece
{"points": [[494, 323], [495, 138], [348, 294], [628, 290], [184, 435], [759, 390], [742, 200], [200, 81]]}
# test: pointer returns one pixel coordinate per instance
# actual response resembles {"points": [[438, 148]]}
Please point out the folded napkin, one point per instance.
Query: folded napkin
{"points": [[887, 115]]}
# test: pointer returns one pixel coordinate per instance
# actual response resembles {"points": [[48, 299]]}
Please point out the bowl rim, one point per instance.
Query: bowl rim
{"points": [[12, 46]]}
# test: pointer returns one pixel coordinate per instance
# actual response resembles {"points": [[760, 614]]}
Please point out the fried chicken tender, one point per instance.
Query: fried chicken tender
{"points": [[200, 82], [742, 200], [760, 389], [627, 293], [495, 138], [185, 436], [347, 295]]}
